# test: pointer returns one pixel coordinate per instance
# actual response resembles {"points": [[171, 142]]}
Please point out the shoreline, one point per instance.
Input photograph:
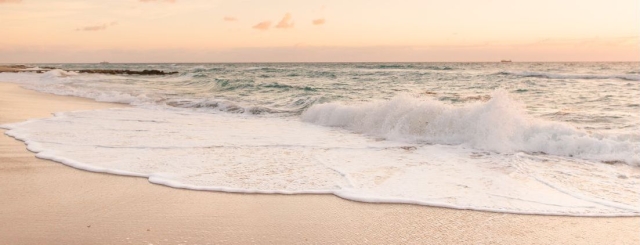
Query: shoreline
{"points": [[47, 202]]}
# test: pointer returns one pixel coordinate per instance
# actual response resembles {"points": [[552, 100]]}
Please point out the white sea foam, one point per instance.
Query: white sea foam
{"points": [[62, 82], [100, 88], [237, 153], [59, 73], [498, 125]]}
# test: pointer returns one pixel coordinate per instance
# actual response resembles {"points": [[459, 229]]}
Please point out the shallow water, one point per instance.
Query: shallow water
{"points": [[544, 138]]}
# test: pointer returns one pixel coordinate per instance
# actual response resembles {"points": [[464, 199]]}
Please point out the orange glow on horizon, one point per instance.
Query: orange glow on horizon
{"points": [[278, 30]]}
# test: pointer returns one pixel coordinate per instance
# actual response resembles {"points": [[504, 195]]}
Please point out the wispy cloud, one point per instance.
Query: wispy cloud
{"points": [[229, 18], [150, 1], [93, 28], [262, 25], [318, 22], [97, 27], [10, 1], [286, 22]]}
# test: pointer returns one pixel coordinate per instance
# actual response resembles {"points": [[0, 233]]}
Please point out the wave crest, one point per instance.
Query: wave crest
{"points": [[500, 124], [58, 73]]}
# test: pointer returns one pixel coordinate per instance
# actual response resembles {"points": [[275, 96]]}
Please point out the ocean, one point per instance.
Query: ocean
{"points": [[530, 138]]}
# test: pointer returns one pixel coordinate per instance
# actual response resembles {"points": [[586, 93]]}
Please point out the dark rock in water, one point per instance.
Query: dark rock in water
{"points": [[128, 72], [22, 68], [408, 148], [611, 162], [18, 66]]}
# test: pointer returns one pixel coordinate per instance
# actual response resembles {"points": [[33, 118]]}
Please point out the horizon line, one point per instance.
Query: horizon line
{"points": [[316, 62]]}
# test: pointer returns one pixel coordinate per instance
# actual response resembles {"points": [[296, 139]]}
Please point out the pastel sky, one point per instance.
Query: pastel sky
{"points": [[318, 31]]}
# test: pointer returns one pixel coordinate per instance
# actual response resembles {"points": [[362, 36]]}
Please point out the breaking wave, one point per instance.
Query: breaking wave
{"points": [[499, 124]]}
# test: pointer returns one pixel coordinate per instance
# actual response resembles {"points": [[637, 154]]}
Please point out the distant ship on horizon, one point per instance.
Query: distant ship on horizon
{"points": [[505, 61], [104, 62]]}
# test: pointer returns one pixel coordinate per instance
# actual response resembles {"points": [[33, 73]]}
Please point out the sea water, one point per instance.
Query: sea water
{"points": [[535, 138]]}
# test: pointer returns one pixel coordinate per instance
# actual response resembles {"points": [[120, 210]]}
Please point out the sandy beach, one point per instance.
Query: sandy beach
{"points": [[44, 202]]}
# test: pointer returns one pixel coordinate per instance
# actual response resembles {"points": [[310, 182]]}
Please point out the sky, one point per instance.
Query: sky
{"points": [[47, 31]]}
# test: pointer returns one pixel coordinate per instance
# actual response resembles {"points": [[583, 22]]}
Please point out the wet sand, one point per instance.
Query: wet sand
{"points": [[44, 202]]}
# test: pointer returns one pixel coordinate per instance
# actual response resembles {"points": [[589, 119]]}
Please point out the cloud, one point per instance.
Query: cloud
{"points": [[93, 28], [229, 18], [10, 1], [318, 22], [149, 1], [285, 22], [96, 27], [262, 25]]}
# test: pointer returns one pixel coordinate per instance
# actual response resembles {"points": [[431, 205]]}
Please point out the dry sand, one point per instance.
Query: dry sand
{"points": [[43, 202]]}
